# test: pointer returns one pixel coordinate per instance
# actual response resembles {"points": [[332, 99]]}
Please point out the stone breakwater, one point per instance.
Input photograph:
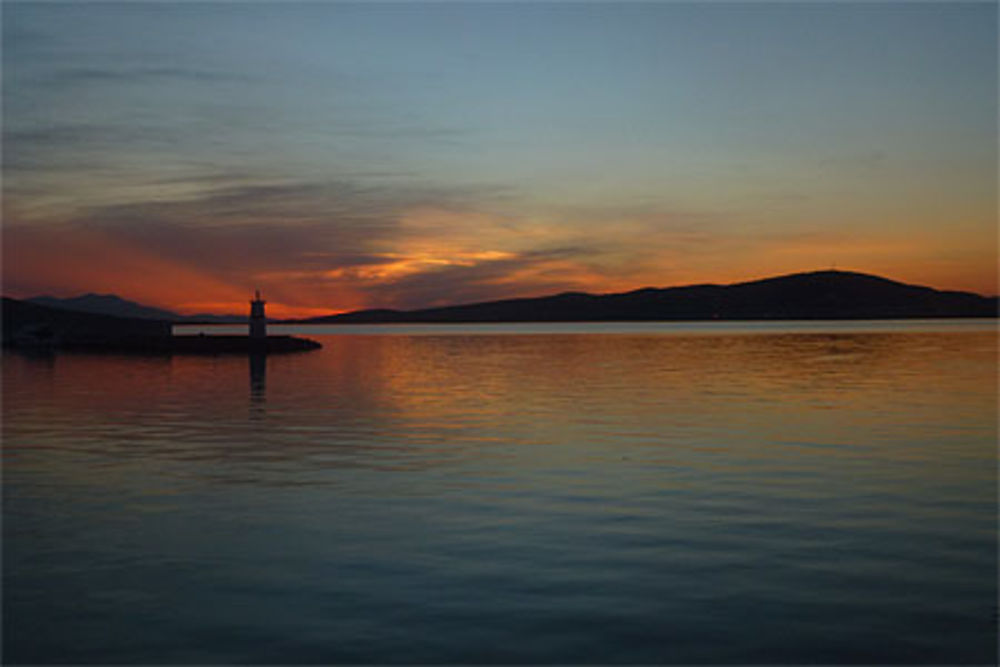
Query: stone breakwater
{"points": [[139, 344], [240, 344], [29, 326]]}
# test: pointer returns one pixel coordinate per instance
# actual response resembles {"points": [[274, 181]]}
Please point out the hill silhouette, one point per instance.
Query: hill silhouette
{"points": [[112, 304], [105, 304], [808, 296], [26, 322]]}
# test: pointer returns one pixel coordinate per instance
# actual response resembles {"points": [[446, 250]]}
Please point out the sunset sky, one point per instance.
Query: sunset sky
{"points": [[340, 156]]}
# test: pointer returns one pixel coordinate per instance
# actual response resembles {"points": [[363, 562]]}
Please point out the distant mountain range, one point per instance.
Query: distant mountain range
{"points": [[110, 304], [816, 295], [809, 296]]}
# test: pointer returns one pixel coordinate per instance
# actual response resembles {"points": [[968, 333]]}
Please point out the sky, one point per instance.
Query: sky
{"points": [[341, 155]]}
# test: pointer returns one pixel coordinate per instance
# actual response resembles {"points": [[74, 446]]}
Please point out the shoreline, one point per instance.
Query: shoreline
{"points": [[195, 344]]}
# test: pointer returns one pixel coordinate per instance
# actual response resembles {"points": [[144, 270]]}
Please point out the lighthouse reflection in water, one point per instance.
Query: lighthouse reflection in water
{"points": [[258, 352], [258, 376]]}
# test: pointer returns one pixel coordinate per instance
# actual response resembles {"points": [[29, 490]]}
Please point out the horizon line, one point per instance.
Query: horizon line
{"points": [[334, 312]]}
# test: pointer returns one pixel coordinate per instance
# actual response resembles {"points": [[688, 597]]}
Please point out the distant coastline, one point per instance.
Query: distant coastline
{"points": [[820, 295]]}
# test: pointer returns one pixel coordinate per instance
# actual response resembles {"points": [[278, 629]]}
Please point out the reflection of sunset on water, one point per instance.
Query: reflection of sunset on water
{"points": [[537, 398], [604, 479]]}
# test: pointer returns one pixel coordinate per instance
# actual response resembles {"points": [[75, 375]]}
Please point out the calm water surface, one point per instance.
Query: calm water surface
{"points": [[820, 493]]}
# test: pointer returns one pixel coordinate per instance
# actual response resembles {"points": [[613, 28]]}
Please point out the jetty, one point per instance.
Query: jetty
{"points": [[34, 327], [235, 344], [258, 341]]}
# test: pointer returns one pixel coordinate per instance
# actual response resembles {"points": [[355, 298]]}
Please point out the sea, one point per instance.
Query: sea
{"points": [[655, 493]]}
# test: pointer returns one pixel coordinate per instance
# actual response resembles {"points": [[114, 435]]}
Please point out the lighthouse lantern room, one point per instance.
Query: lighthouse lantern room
{"points": [[258, 323]]}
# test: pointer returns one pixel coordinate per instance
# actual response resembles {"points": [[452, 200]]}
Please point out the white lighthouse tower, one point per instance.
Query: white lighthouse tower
{"points": [[258, 323]]}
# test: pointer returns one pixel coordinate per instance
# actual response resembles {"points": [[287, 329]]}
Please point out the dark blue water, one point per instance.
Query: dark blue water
{"points": [[619, 494]]}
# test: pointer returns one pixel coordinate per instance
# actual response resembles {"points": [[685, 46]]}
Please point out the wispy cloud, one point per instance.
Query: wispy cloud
{"points": [[116, 75], [490, 276], [308, 242]]}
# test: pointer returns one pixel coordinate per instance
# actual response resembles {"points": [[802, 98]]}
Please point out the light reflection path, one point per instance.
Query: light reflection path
{"points": [[781, 497]]}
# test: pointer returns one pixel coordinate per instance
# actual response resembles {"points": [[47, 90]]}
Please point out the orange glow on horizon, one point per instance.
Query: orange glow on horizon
{"points": [[481, 262], [274, 310]]}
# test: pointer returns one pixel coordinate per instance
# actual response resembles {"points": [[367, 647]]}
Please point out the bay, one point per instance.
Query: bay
{"points": [[621, 493]]}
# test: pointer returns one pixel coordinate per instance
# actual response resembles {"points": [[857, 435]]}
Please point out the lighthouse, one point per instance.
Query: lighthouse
{"points": [[258, 323]]}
